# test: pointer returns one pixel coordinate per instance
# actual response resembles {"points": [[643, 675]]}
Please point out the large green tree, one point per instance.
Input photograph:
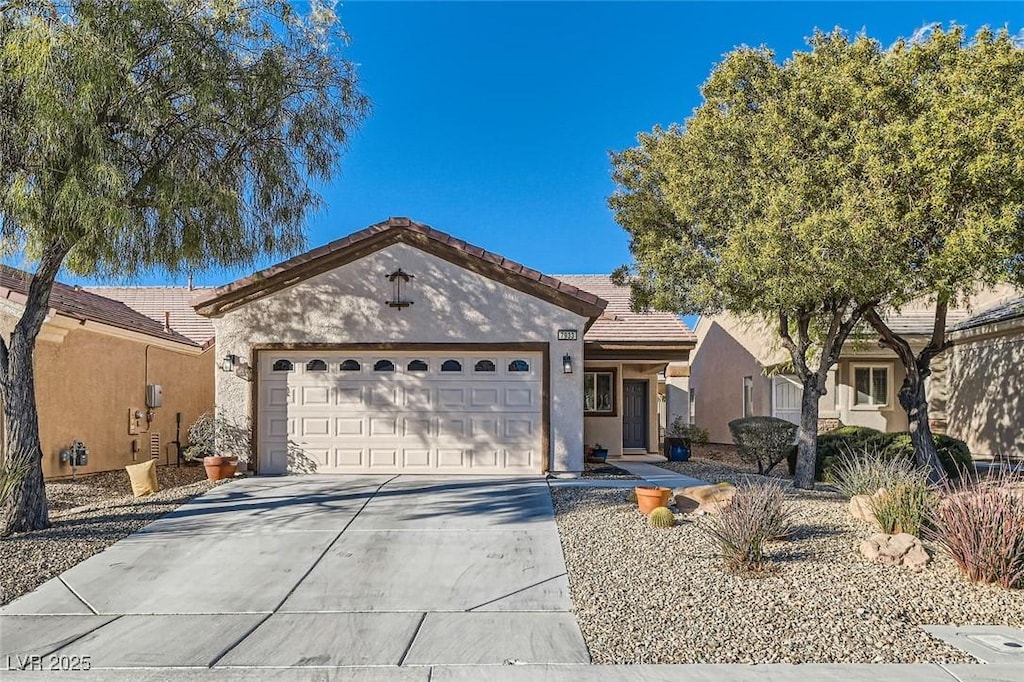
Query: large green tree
{"points": [[949, 173], [172, 135], [756, 205]]}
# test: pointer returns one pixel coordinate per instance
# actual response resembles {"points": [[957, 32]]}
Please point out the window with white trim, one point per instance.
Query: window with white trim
{"points": [[599, 392], [748, 396], [871, 385]]}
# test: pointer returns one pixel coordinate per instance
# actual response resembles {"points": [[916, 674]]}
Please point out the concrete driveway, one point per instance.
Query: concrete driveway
{"points": [[318, 571]]}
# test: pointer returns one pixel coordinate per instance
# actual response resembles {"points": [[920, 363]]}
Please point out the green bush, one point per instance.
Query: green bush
{"points": [[764, 440], [832, 444], [905, 508], [953, 454], [865, 470]]}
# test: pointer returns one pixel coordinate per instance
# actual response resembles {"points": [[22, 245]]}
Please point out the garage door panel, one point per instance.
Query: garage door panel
{"points": [[414, 419]]}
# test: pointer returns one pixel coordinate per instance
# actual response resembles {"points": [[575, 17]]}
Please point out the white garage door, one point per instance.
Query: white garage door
{"points": [[428, 412]]}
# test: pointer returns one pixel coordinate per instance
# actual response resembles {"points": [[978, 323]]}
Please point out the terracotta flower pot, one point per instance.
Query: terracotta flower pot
{"points": [[218, 468], [650, 498]]}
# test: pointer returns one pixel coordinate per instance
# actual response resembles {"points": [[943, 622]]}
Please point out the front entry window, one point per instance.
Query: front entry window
{"points": [[599, 392]]}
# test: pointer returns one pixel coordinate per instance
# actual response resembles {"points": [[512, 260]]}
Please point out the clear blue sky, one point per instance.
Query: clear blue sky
{"points": [[493, 121]]}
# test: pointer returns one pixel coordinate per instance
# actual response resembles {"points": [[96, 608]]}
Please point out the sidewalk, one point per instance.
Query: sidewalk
{"points": [[651, 475]]}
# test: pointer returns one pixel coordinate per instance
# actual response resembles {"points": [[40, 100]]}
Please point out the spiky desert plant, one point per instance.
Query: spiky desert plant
{"points": [[863, 470], [662, 517], [757, 515], [905, 508], [631, 497], [981, 526]]}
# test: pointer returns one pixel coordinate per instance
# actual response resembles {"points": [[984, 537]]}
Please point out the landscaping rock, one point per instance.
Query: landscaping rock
{"points": [[709, 499], [860, 506], [902, 549]]}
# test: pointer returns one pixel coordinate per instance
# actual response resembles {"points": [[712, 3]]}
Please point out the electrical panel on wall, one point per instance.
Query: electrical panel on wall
{"points": [[154, 395]]}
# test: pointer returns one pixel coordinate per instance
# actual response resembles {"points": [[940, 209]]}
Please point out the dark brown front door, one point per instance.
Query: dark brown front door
{"points": [[634, 414]]}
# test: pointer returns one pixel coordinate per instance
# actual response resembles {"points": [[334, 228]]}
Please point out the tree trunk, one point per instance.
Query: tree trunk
{"points": [[807, 435], [26, 508], [912, 398]]}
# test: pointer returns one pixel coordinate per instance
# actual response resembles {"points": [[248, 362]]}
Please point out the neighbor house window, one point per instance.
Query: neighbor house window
{"points": [[693, 405], [871, 386], [599, 392], [748, 396]]}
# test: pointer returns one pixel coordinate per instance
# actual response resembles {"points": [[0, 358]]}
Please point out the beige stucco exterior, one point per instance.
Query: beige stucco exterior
{"points": [[347, 305], [607, 430], [985, 403], [89, 376]]}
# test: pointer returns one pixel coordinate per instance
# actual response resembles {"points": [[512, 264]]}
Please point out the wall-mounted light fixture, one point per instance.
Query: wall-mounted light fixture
{"points": [[567, 363], [397, 279], [229, 362]]}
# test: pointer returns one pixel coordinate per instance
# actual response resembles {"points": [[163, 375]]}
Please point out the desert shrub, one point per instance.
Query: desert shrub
{"points": [[631, 496], [981, 526], [691, 432], [764, 440], [832, 444], [954, 454], [862, 471], [219, 435], [905, 508], [662, 517], [757, 515]]}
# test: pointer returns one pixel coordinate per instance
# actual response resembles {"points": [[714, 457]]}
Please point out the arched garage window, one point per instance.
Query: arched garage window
{"points": [[519, 366], [484, 366], [451, 366], [316, 366], [283, 366], [350, 366], [383, 366], [417, 366]]}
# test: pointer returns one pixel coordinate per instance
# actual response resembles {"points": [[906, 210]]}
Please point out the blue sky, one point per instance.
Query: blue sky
{"points": [[493, 121]]}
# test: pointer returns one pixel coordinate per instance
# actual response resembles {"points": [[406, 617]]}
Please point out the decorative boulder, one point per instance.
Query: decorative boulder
{"points": [[860, 506], [704, 498], [902, 549]]}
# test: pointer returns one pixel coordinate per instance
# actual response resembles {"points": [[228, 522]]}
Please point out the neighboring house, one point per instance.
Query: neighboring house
{"points": [[401, 349], [985, 373], [740, 369], [94, 358]]}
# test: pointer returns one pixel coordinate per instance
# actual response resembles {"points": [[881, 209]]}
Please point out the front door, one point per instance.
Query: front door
{"points": [[634, 414]]}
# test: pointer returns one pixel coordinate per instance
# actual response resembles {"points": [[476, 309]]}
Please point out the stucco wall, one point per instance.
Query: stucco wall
{"points": [[86, 384], [892, 417], [607, 430], [451, 305], [985, 404]]}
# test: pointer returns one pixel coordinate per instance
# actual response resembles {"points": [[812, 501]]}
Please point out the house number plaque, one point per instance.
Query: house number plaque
{"points": [[568, 335]]}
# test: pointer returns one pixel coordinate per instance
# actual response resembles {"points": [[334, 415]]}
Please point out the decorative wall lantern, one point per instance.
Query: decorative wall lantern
{"points": [[397, 279], [567, 364], [229, 362]]}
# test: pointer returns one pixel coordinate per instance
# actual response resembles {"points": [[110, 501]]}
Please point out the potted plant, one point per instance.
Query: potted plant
{"points": [[220, 442], [649, 498], [597, 454], [680, 437]]}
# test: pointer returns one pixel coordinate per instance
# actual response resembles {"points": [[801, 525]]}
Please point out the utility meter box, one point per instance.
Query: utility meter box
{"points": [[154, 395]]}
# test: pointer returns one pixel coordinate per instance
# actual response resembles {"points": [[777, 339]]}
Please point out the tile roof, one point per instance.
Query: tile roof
{"points": [[1001, 312], [156, 302], [393, 230], [921, 322], [620, 323], [80, 304]]}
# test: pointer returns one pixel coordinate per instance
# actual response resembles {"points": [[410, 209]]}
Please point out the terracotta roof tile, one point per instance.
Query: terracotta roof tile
{"points": [[619, 322], [156, 302], [81, 304]]}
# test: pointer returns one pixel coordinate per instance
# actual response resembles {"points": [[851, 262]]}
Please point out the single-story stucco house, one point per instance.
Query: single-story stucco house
{"points": [[738, 368], [94, 359], [401, 349]]}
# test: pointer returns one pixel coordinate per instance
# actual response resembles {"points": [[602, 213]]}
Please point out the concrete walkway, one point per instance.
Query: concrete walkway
{"points": [[318, 572], [650, 473]]}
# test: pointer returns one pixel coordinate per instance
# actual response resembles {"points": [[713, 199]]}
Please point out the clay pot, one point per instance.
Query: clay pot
{"points": [[218, 468], [650, 498]]}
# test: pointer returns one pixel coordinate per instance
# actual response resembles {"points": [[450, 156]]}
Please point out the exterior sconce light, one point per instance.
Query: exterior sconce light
{"points": [[567, 364], [397, 279], [229, 362]]}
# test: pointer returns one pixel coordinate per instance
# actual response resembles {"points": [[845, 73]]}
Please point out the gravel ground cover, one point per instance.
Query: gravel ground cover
{"points": [[89, 514], [647, 595]]}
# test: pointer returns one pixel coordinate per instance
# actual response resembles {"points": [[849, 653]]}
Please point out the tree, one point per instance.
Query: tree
{"points": [[755, 205], [950, 176], [142, 135]]}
